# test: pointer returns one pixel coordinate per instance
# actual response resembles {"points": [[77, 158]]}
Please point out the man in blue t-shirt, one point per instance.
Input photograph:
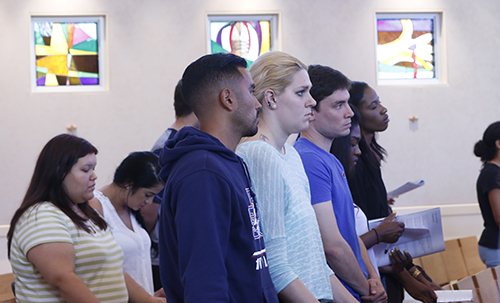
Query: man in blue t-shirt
{"points": [[330, 194]]}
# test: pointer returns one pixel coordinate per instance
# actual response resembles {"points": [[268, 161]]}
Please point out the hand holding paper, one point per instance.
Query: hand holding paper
{"points": [[390, 230], [423, 235]]}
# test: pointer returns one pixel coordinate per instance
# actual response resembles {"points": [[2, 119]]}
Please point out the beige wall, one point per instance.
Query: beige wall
{"points": [[149, 43]]}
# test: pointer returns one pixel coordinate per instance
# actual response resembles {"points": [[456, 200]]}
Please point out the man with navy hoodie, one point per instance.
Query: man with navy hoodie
{"points": [[211, 244]]}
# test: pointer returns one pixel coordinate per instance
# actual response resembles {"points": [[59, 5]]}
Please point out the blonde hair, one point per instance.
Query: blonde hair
{"points": [[274, 70]]}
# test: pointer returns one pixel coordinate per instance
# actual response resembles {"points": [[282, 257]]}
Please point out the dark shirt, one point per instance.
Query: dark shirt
{"points": [[211, 244], [368, 190], [488, 180]]}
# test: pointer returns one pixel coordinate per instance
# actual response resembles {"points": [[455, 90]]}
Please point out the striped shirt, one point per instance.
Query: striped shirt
{"points": [[98, 258]]}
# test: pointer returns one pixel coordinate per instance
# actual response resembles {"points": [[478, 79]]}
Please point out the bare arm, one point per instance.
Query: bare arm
{"points": [[388, 231], [296, 292], [494, 197], [340, 293], [56, 263], [416, 289], [338, 252], [138, 295], [377, 291], [372, 273]]}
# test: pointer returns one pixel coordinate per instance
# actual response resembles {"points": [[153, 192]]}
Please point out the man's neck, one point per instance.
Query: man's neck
{"points": [[318, 139], [226, 137], [180, 123]]}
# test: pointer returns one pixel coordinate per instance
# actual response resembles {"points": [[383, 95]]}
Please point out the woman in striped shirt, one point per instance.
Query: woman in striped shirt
{"points": [[60, 249]]}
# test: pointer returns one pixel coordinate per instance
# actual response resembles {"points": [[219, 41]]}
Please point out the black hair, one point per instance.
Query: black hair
{"points": [[208, 73], [486, 148], [180, 107], [341, 147], [325, 81], [139, 170], [370, 151], [55, 161]]}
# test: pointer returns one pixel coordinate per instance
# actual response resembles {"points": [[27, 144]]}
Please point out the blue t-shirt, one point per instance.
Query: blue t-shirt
{"points": [[328, 182]]}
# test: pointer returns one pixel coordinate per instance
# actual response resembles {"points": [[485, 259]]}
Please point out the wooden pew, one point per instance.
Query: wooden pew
{"points": [[460, 259], [487, 285], [6, 295], [471, 255], [469, 282]]}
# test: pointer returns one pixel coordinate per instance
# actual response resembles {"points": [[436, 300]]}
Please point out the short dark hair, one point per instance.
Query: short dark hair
{"points": [[208, 73], [486, 148], [53, 165], [180, 107], [325, 81]]}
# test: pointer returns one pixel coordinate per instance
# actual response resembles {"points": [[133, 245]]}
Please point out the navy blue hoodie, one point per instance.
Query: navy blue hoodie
{"points": [[211, 245]]}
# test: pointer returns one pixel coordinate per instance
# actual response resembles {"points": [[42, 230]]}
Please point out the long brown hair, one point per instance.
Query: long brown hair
{"points": [[54, 163]]}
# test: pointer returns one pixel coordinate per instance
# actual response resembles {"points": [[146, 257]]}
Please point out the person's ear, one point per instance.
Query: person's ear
{"points": [[270, 99], [497, 144], [225, 100]]}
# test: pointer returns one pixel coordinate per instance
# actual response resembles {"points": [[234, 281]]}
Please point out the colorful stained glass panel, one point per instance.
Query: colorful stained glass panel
{"points": [[248, 39], [405, 48], [66, 53]]}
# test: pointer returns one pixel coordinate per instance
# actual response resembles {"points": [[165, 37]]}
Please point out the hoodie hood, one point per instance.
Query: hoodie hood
{"points": [[186, 140]]}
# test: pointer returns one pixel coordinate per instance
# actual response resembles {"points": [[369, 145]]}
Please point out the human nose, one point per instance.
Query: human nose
{"points": [[357, 151], [384, 110], [349, 112], [257, 104], [93, 176], [310, 102]]}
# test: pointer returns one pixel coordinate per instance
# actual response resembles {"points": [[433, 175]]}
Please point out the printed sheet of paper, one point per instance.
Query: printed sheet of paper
{"points": [[444, 296], [423, 235], [405, 188]]}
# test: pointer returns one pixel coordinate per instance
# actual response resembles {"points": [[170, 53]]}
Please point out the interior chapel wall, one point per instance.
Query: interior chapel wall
{"points": [[149, 43]]}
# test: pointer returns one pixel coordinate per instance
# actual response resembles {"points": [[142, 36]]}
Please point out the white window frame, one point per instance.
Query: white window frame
{"points": [[101, 40]]}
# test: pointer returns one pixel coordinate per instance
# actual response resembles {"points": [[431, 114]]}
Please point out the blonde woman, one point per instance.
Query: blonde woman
{"points": [[295, 252]]}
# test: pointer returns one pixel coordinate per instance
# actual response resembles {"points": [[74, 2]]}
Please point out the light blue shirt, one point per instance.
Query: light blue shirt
{"points": [[291, 232]]}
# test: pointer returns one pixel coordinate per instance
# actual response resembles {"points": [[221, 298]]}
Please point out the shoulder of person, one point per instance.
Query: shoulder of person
{"points": [[95, 203]]}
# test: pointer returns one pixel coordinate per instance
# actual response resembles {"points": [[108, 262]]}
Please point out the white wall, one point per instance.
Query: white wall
{"points": [[151, 42]]}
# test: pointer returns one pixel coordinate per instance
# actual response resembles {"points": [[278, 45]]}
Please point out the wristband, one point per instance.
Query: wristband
{"points": [[415, 273], [376, 233], [409, 266]]}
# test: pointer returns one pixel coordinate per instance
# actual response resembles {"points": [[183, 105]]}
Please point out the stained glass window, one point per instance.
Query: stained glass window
{"points": [[245, 36], [406, 47], [67, 51]]}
